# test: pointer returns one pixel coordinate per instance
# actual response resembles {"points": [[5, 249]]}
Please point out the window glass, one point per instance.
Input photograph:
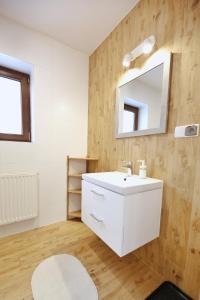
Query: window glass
{"points": [[128, 121], [10, 106], [15, 120]]}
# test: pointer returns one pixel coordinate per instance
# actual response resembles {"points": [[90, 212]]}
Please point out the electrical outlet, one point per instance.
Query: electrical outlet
{"points": [[186, 131]]}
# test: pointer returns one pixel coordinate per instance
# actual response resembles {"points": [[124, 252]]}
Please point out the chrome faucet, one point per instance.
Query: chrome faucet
{"points": [[129, 166]]}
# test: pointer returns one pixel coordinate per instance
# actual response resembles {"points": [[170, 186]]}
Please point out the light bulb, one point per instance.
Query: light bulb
{"points": [[126, 63], [147, 48], [127, 60], [148, 44]]}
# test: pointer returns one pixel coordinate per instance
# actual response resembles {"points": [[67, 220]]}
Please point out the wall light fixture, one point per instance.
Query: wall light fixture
{"points": [[144, 48]]}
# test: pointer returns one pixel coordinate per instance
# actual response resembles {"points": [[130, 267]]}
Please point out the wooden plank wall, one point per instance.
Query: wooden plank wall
{"points": [[176, 26]]}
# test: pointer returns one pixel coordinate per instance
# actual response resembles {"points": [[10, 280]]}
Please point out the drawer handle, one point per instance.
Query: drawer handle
{"points": [[96, 218], [99, 194]]}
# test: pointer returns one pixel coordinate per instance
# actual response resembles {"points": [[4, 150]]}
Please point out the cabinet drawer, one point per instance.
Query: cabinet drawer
{"points": [[102, 211]]}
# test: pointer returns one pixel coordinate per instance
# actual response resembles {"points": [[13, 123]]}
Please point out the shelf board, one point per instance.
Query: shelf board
{"points": [[82, 158], [74, 192], [75, 214], [75, 175]]}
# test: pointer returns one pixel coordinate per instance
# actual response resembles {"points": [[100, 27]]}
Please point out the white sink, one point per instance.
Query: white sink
{"points": [[123, 211], [121, 183]]}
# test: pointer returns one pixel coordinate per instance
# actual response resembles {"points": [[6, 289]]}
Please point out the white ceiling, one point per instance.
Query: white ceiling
{"points": [[81, 24]]}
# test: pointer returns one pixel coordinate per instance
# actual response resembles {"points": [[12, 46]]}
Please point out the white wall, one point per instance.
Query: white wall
{"points": [[59, 116]]}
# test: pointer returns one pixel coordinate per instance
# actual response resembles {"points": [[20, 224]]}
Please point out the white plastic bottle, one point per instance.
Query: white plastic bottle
{"points": [[143, 169]]}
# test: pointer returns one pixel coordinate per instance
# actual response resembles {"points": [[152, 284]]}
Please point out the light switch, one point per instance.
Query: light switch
{"points": [[186, 131]]}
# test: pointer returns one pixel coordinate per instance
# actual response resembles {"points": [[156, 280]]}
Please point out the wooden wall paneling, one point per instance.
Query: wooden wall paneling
{"points": [[176, 26]]}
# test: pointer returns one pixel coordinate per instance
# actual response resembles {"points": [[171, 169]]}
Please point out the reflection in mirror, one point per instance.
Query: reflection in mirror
{"points": [[141, 99], [142, 102]]}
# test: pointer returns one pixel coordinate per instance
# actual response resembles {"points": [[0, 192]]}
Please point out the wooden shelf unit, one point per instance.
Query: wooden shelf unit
{"points": [[76, 214], [82, 158], [75, 175], [74, 192]]}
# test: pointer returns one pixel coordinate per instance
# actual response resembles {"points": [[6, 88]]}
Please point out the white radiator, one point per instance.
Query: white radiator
{"points": [[18, 197]]}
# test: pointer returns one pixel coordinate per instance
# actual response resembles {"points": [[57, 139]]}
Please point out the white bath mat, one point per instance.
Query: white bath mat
{"points": [[62, 277]]}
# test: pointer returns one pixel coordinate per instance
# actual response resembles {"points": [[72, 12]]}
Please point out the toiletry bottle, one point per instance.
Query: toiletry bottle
{"points": [[143, 169]]}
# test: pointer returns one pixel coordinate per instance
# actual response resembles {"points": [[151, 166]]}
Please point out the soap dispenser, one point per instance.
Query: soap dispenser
{"points": [[143, 169]]}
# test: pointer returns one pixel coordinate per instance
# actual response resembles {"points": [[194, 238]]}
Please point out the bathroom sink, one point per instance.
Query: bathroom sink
{"points": [[121, 183], [124, 211]]}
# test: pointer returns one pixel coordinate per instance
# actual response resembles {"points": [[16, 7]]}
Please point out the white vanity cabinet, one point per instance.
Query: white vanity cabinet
{"points": [[123, 222]]}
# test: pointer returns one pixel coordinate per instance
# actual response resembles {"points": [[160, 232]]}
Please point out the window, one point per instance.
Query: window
{"points": [[130, 118], [14, 106]]}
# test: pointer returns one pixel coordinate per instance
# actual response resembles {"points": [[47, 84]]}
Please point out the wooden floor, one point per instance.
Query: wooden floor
{"points": [[116, 278]]}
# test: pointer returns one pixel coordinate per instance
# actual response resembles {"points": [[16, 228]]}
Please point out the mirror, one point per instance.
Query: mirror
{"points": [[142, 101]]}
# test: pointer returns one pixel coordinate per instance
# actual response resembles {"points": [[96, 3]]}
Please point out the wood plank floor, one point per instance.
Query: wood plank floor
{"points": [[116, 278]]}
